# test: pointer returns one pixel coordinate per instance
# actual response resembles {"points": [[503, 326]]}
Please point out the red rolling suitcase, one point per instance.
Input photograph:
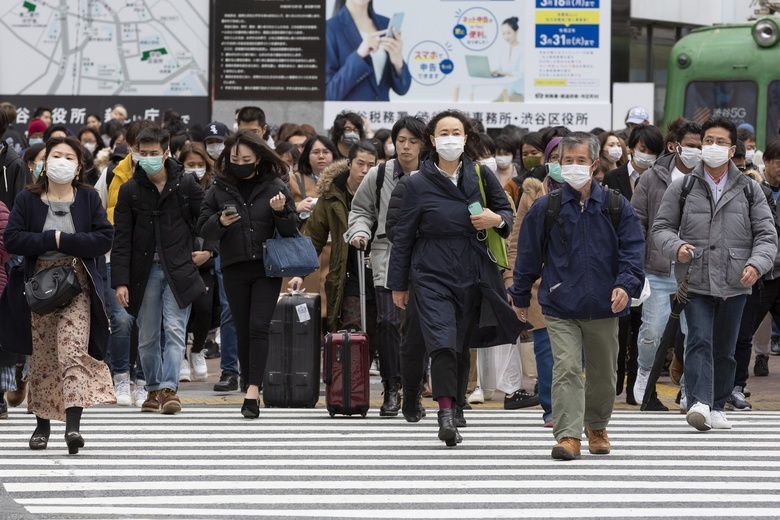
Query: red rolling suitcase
{"points": [[346, 362]]}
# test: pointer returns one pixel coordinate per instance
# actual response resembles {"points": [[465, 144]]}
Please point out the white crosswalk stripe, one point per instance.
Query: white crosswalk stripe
{"points": [[209, 462]]}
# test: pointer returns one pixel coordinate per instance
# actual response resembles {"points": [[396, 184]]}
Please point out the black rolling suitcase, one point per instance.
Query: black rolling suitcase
{"points": [[292, 375]]}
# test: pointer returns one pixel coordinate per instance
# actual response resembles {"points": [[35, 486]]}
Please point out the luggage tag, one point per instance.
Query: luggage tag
{"points": [[303, 313]]}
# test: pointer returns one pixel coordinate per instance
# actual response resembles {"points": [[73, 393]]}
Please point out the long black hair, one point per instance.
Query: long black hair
{"points": [[303, 162], [472, 138], [269, 164]]}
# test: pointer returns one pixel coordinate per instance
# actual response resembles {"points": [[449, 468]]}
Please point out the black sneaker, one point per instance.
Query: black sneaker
{"points": [[761, 365], [211, 348], [3, 408], [774, 348], [227, 383], [520, 399], [655, 404]]}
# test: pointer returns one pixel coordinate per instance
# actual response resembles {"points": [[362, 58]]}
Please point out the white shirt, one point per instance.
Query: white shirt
{"points": [[717, 189], [379, 60], [454, 177], [676, 173], [632, 173]]}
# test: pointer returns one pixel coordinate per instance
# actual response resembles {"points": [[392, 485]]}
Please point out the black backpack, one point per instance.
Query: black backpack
{"points": [[552, 216]]}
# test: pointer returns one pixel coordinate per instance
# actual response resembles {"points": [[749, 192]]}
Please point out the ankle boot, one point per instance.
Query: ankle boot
{"points": [[391, 404], [447, 430], [410, 406]]}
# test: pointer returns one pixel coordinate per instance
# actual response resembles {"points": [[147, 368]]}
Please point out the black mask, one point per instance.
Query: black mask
{"points": [[242, 171]]}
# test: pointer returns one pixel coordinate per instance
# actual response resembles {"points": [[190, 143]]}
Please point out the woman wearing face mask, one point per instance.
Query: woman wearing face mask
{"points": [[60, 221], [347, 130], [534, 189], [441, 266], [245, 206], [646, 143], [506, 169], [91, 140], [383, 135], [613, 154], [197, 162], [33, 157]]}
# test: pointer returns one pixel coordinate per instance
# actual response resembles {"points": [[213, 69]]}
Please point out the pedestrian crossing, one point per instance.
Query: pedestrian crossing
{"points": [[209, 462]]}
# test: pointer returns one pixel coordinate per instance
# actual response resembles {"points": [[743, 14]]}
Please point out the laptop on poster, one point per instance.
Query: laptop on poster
{"points": [[478, 66]]}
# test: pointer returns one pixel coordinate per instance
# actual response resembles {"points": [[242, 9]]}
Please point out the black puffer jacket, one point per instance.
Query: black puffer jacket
{"points": [[148, 221], [394, 207], [14, 175], [242, 241]]}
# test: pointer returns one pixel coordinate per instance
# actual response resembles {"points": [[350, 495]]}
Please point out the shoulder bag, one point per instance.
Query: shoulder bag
{"points": [[292, 256], [52, 288]]}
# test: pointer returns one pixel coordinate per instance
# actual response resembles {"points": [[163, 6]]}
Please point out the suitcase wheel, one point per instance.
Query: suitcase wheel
{"points": [[363, 414], [332, 414]]}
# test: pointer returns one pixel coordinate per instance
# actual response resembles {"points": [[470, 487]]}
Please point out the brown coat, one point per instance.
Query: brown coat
{"points": [[532, 189]]}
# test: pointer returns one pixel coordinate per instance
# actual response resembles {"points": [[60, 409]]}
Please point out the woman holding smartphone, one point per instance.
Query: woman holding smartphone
{"points": [[440, 259], [364, 55], [247, 203]]}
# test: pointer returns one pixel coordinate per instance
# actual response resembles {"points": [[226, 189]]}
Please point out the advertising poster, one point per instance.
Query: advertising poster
{"points": [[532, 63]]}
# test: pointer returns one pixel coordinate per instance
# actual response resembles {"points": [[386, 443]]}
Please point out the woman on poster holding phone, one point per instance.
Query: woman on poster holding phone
{"points": [[512, 60], [364, 54]]}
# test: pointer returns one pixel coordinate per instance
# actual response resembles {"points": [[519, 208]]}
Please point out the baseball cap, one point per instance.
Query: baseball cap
{"points": [[36, 126], [215, 130], [637, 116], [748, 127]]}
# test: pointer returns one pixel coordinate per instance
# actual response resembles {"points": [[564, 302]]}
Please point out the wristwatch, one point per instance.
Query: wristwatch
{"points": [[502, 225]]}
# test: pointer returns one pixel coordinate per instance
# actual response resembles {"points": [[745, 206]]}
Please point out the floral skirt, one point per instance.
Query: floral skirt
{"points": [[62, 373]]}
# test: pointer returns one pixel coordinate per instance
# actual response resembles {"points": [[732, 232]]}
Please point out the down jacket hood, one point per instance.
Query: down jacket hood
{"points": [[330, 174]]}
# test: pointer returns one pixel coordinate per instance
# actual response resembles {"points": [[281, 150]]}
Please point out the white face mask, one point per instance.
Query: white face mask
{"points": [[614, 153], [503, 161], [644, 160], [714, 155], [215, 149], [390, 150], [690, 157], [490, 162], [60, 171], [749, 156], [198, 172], [450, 147], [576, 175], [90, 147]]}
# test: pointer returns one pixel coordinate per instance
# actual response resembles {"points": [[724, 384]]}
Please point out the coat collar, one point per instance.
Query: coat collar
{"points": [[596, 193], [468, 179]]}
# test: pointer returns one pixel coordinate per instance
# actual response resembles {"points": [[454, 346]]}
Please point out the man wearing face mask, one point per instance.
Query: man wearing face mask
{"points": [[153, 270], [725, 227], [591, 266], [347, 130], [214, 138], [660, 271], [646, 143]]}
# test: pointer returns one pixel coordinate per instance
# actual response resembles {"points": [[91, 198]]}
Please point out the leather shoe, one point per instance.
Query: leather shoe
{"points": [[568, 448], [411, 407], [460, 420], [16, 397], [74, 442], [251, 408], [598, 441], [675, 370], [447, 430], [38, 441], [391, 403]]}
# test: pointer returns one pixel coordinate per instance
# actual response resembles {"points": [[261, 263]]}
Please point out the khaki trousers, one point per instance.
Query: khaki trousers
{"points": [[578, 401]]}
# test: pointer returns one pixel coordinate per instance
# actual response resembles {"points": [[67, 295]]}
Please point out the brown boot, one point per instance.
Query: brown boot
{"points": [[675, 370], [170, 402], [16, 397], [152, 403], [568, 448], [598, 442]]}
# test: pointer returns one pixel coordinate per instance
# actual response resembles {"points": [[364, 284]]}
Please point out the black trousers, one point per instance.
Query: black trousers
{"points": [[252, 298], [200, 316], [413, 353], [388, 334], [450, 373], [765, 298]]}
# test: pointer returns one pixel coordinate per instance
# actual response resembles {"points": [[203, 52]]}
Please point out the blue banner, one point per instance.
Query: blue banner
{"points": [[562, 36], [567, 4]]}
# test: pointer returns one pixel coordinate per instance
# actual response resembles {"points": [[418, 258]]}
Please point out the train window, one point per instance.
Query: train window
{"points": [[735, 100], [773, 111]]}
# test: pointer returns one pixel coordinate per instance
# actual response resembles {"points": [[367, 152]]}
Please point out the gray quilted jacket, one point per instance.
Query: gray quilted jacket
{"points": [[728, 236]]}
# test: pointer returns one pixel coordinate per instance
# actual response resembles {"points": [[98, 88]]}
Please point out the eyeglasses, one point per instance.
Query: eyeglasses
{"points": [[554, 158], [709, 141]]}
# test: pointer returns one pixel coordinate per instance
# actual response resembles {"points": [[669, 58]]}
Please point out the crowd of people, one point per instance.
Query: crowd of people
{"points": [[573, 242]]}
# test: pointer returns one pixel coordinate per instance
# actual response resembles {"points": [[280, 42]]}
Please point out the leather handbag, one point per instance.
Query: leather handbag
{"points": [[52, 288], [291, 256]]}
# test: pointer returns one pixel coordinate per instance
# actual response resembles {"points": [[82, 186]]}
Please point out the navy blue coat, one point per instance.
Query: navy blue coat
{"points": [[457, 288], [23, 236], [600, 259], [348, 77]]}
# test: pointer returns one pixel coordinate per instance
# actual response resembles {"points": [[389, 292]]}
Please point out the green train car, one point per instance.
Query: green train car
{"points": [[731, 71]]}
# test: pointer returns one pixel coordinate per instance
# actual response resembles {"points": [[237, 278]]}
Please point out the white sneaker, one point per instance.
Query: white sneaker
{"points": [[374, 369], [139, 393], [641, 384], [122, 389], [719, 421], [477, 397], [200, 371], [683, 404], [699, 417], [184, 371]]}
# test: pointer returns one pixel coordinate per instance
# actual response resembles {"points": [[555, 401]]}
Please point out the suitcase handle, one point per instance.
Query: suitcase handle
{"points": [[327, 373]]}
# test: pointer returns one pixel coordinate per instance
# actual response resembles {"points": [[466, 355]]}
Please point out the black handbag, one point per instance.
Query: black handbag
{"points": [[52, 288], [289, 256]]}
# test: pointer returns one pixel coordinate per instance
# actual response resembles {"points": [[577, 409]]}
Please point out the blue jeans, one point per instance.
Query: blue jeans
{"points": [[228, 345], [158, 308], [655, 314], [544, 365], [713, 325], [121, 326]]}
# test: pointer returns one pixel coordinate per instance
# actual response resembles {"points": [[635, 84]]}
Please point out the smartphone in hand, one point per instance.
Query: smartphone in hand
{"points": [[394, 27], [475, 208], [230, 210]]}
